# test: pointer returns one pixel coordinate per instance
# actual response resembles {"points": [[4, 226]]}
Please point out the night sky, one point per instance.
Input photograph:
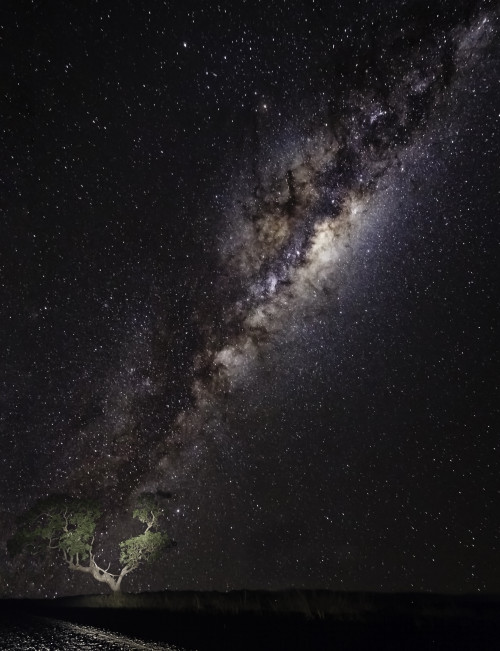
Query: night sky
{"points": [[248, 257]]}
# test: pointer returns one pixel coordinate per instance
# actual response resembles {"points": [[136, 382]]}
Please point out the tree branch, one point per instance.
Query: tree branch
{"points": [[92, 558]]}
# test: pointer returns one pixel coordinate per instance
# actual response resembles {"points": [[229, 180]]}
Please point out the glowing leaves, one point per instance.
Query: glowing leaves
{"points": [[144, 548], [58, 522]]}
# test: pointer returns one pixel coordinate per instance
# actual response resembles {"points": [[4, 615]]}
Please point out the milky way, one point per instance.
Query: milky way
{"points": [[286, 243]]}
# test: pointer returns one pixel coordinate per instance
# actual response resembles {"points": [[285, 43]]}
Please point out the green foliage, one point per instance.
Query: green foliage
{"points": [[144, 548], [68, 525], [149, 545], [148, 510], [58, 522]]}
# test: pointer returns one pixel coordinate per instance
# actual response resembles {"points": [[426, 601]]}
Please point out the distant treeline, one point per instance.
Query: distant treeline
{"points": [[311, 604]]}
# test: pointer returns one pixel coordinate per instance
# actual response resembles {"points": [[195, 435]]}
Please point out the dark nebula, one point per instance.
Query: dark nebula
{"points": [[248, 264]]}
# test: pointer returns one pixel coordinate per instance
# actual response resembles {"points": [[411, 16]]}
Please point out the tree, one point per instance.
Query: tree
{"points": [[67, 525]]}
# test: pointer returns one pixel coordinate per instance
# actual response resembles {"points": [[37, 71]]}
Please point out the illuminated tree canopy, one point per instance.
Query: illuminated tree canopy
{"points": [[66, 526]]}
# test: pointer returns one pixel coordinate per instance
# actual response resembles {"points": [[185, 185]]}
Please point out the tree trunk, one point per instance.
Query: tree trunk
{"points": [[103, 576], [118, 583], [115, 586]]}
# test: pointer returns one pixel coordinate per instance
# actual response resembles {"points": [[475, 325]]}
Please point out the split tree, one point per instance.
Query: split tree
{"points": [[66, 526]]}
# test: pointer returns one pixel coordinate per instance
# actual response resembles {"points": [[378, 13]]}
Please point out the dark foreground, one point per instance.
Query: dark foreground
{"points": [[36, 633], [245, 620]]}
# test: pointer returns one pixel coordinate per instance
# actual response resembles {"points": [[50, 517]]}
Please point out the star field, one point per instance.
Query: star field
{"points": [[248, 259]]}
